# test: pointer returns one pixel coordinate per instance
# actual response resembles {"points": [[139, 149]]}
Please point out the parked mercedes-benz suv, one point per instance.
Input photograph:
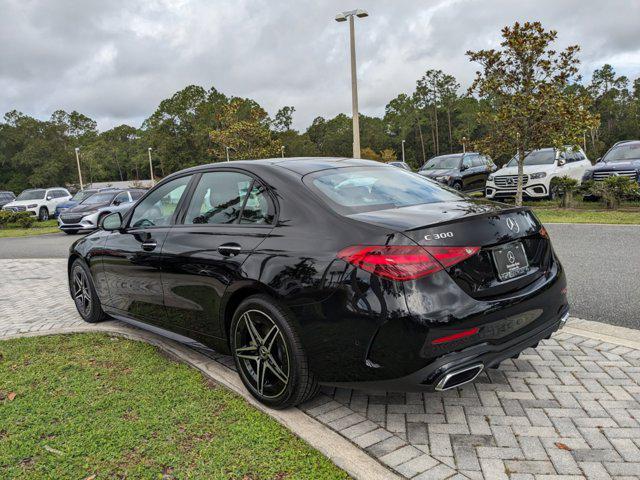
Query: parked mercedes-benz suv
{"points": [[462, 171], [622, 159]]}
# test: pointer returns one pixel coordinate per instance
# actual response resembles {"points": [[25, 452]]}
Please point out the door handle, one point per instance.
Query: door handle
{"points": [[229, 249], [149, 245]]}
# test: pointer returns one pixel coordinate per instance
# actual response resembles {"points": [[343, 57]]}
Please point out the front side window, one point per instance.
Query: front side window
{"points": [[467, 162], [122, 197], [361, 189], [218, 198], [158, 208]]}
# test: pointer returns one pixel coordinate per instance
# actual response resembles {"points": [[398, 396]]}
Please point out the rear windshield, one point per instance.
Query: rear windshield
{"points": [[362, 189], [447, 162], [623, 153]]}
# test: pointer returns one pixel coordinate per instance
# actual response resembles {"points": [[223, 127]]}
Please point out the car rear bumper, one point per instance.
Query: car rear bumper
{"points": [[450, 370]]}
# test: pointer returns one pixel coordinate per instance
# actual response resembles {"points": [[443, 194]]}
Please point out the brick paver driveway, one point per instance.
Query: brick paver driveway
{"points": [[569, 409]]}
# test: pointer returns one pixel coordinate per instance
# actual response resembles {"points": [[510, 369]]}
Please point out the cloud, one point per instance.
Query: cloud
{"points": [[115, 61]]}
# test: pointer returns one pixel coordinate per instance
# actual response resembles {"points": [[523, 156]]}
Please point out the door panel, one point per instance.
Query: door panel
{"points": [[196, 272], [132, 270]]}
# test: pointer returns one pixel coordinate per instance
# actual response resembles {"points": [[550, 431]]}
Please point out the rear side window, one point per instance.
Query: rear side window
{"points": [[361, 189], [218, 198]]}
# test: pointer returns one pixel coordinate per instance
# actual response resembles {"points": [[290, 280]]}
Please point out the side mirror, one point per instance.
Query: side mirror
{"points": [[49, 198], [599, 160], [562, 162], [463, 168], [112, 222], [116, 202]]}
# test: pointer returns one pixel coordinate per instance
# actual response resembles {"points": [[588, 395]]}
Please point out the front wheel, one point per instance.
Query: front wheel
{"points": [[269, 355], [457, 186], [84, 293], [43, 214]]}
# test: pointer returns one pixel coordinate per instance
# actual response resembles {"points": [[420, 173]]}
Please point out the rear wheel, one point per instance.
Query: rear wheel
{"points": [[269, 355], [43, 214], [84, 293], [457, 186]]}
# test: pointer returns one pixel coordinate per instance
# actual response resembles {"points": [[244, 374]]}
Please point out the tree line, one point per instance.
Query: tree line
{"points": [[196, 125]]}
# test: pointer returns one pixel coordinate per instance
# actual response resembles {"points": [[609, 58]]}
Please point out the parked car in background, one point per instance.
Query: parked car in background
{"points": [[333, 271], [463, 171], [540, 167], [88, 214], [76, 199], [41, 202], [622, 159], [404, 165], [6, 197]]}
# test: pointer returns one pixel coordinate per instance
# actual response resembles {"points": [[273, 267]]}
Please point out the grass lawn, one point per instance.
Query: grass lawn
{"points": [[91, 406], [38, 228], [564, 215]]}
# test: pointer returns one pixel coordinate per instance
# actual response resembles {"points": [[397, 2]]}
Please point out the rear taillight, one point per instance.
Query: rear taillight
{"points": [[400, 262]]}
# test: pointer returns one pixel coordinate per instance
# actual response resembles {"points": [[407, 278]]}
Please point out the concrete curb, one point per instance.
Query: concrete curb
{"points": [[604, 332], [340, 451]]}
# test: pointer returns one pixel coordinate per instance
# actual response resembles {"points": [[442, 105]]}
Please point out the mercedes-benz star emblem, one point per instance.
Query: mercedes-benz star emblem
{"points": [[511, 257], [513, 225]]}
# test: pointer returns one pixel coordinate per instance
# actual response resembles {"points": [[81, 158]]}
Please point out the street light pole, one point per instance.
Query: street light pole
{"points": [[403, 150], [342, 17], [151, 168], [282, 150], [227, 149], [79, 171]]}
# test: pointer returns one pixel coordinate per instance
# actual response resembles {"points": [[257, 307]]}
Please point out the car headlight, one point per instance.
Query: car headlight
{"points": [[443, 178], [538, 175], [33, 205]]}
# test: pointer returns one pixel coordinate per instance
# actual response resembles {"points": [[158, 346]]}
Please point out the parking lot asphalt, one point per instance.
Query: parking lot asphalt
{"points": [[601, 261]]}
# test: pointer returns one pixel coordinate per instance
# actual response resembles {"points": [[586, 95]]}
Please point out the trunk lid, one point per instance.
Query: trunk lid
{"points": [[473, 223]]}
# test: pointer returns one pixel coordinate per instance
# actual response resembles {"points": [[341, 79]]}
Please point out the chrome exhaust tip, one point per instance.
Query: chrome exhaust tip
{"points": [[563, 320], [456, 378]]}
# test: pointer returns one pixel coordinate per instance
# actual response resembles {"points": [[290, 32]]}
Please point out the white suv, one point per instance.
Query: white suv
{"points": [[41, 202], [540, 166]]}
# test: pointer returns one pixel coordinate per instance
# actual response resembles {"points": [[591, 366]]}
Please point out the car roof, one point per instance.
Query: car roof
{"points": [[298, 165]]}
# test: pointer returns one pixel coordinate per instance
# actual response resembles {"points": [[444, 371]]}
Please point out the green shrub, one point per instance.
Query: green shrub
{"points": [[564, 187], [16, 219], [615, 189]]}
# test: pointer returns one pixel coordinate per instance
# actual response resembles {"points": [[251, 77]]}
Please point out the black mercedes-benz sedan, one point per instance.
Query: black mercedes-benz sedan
{"points": [[326, 271]]}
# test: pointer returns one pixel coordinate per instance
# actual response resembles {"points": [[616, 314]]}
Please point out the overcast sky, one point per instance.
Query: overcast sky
{"points": [[115, 60]]}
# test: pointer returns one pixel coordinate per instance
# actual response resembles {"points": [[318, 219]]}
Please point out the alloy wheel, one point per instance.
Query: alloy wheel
{"points": [[82, 292], [262, 354]]}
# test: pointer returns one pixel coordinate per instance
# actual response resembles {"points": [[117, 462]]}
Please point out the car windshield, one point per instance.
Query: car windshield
{"points": [[97, 198], [82, 194], [362, 189], [623, 153], [446, 162], [537, 157], [31, 195]]}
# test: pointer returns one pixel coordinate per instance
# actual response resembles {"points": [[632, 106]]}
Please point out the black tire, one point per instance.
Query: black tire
{"points": [[43, 214], [457, 186], [273, 357], [70, 232], [84, 293]]}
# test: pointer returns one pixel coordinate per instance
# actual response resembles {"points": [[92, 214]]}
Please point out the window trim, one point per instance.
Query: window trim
{"points": [[255, 179]]}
